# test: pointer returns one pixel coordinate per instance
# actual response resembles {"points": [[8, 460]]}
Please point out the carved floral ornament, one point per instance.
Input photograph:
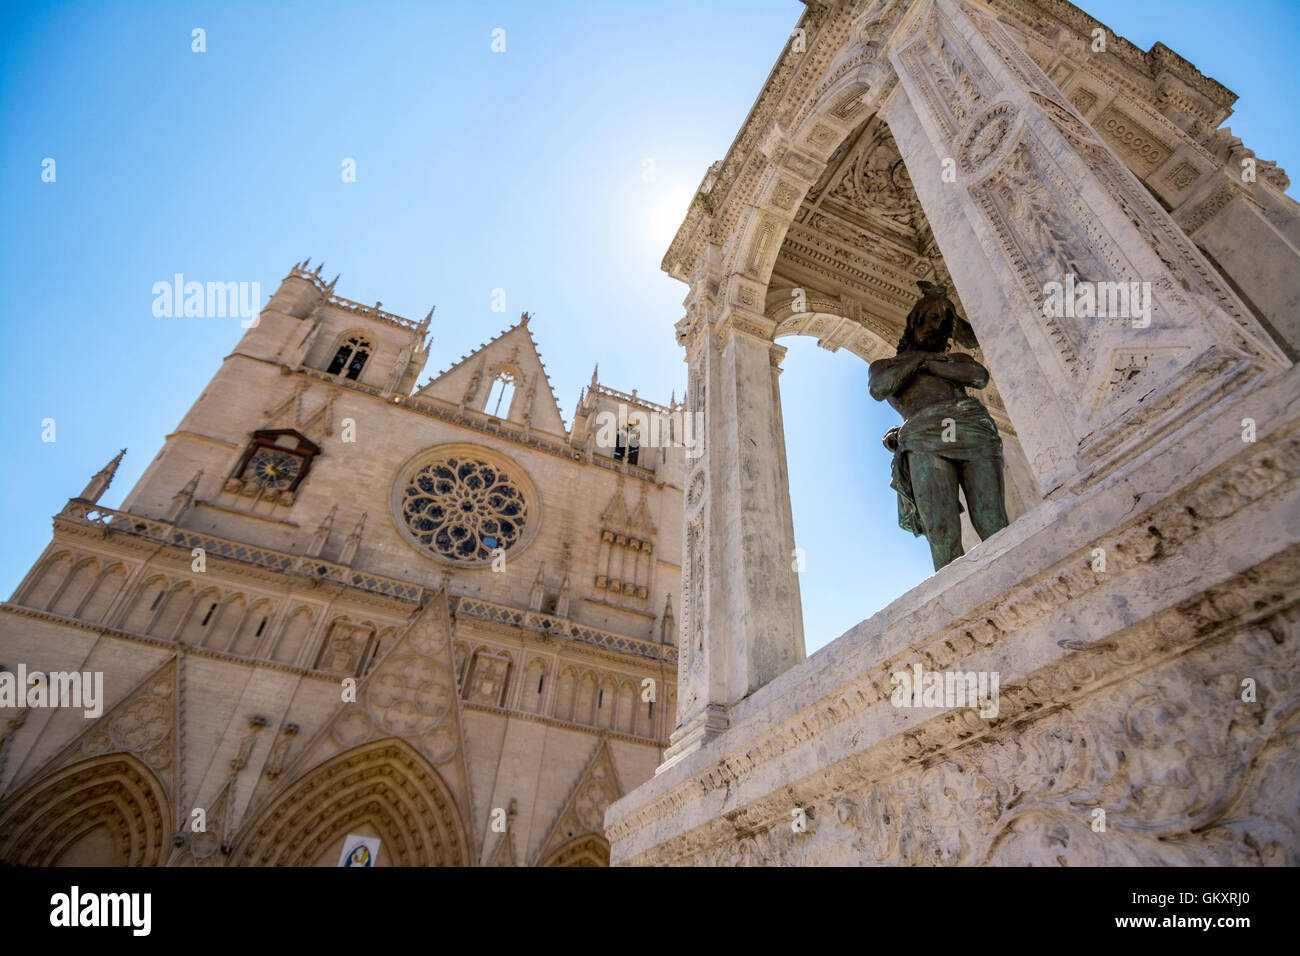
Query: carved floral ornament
{"points": [[460, 503], [989, 140]]}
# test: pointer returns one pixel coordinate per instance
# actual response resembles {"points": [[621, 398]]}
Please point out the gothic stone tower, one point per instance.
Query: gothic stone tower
{"points": [[336, 604]]}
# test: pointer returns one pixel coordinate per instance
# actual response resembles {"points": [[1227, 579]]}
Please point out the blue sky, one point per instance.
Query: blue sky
{"points": [[476, 170]]}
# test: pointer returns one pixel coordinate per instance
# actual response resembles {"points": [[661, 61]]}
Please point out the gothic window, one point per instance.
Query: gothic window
{"points": [[501, 395], [248, 636], [276, 460], [351, 357], [293, 636], [628, 445], [462, 509]]}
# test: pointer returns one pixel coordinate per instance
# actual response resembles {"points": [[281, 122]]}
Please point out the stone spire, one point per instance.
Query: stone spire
{"points": [[185, 497], [354, 540], [322, 535], [539, 586], [562, 602], [103, 478], [668, 633]]}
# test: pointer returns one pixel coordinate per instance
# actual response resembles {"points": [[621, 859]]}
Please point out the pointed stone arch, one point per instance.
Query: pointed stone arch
{"points": [[76, 587], [293, 634], [259, 617], [533, 693], [577, 838], [590, 849], [110, 810], [504, 854], [166, 620], [565, 692], [139, 608], [385, 784], [227, 620], [194, 628], [44, 582], [625, 715], [584, 708], [145, 725], [409, 696], [102, 595]]}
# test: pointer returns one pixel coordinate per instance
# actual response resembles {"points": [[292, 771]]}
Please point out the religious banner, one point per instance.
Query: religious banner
{"points": [[359, 851]]}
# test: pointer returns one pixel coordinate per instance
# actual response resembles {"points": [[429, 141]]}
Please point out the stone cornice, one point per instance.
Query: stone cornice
{"points": [[760, 330], [1147, 64], [163, 644], [560, 647], [477, 609], [603, 733], [270, 566], [107, 521]]}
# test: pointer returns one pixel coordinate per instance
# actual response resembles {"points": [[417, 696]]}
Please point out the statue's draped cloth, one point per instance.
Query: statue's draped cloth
{"points": [[975, 438]]}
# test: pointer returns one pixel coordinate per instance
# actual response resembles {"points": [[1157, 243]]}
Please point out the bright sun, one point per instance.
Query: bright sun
{"points": [[667, 211]]}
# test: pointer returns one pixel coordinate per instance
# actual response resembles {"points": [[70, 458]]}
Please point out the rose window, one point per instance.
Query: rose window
{"points": [[463, 509]]}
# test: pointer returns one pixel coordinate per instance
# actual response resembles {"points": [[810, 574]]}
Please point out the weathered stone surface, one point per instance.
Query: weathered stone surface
{"points": [[1152, 560]]}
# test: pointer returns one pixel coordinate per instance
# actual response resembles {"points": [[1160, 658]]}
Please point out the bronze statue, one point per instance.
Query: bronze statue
{"points": [[947, 438]]}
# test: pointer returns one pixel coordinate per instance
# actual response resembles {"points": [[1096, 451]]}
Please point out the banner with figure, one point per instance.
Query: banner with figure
{"points": [[359, 851]]}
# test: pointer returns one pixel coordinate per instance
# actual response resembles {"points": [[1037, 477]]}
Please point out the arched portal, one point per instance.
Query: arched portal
{"points": [[587, 849], [106, 811], [899, 141], [383, 789]]}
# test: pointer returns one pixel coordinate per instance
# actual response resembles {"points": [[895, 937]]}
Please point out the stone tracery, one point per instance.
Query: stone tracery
{"points": [[462, 509]]}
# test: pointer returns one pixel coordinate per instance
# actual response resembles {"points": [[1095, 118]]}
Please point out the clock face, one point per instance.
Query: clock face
{"points": [[273, 468]]}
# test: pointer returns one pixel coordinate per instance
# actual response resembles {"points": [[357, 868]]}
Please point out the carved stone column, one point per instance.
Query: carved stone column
{"points": [[1022, 193], [742, 622]]}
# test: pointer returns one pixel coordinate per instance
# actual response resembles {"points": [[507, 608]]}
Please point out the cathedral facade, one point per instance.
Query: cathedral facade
{"points": [[339, 608]]}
